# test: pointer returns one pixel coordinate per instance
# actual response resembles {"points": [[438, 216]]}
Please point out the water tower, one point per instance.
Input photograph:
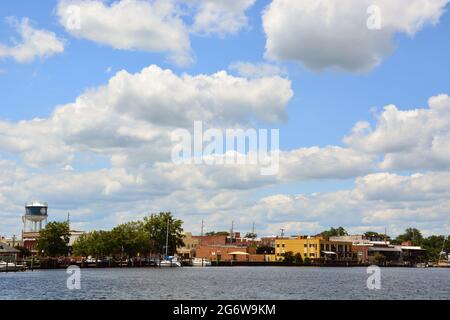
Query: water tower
{"points": [[35, 213]]}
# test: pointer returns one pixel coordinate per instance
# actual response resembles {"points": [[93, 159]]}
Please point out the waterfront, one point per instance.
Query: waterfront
{"points": [[278, 283]]}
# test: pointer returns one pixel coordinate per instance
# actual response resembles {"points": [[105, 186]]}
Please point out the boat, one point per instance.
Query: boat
{"points": [[170, 262], [201, 262], [9, 266]]}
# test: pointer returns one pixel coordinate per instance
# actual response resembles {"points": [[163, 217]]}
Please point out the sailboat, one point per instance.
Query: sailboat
{"points": [[169, 261]]}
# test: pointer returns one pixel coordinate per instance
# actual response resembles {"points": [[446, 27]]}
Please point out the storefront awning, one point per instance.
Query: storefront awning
{"points": [[329, 252]]}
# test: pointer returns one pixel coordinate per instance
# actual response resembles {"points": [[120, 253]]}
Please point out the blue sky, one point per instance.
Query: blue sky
{"points": [[324, 108]]}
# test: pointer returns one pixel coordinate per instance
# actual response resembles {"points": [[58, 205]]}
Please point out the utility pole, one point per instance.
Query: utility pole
{"points": [[14, 241], [203, 226], [253, 228], [232, 231], [68, 219]]}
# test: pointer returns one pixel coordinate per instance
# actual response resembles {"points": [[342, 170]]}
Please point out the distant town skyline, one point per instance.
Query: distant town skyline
{"points": [[358, 90]]}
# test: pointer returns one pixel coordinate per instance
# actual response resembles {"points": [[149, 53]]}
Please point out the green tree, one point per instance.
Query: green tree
{"points": [[156, 227], [130, 239], [375, 236], [434, 245], [411, 234], [298, 258], [334, 232], [289, 257], [379, 258], [54, 239], [24, 252], [219, 233], [251, 235]]}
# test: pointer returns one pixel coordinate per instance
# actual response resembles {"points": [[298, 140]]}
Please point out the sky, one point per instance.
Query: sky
{"points": [[91, 92]]}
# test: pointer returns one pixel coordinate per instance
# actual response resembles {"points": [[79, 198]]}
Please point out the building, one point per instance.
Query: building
{"points": [[188, 251], [228, 253], [8, 253], [314, 248], [376, 251], [12, 242]]}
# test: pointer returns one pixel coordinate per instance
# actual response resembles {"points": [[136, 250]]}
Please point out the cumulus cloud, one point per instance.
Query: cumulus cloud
{"points": [[129, 25], [131, 119], [152, 25], [34, 43], [335, 34], [220, 16], [408, 139]]}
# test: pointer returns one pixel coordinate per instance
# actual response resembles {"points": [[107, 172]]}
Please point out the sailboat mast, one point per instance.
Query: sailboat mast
{"points": [[167, 238]]}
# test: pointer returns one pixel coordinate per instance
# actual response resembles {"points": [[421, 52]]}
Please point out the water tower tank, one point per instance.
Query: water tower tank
{"points": [[35, 213]]}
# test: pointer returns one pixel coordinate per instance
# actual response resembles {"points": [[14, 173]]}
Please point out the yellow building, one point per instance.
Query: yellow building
{"points": [[190, 244], [314, 248]]}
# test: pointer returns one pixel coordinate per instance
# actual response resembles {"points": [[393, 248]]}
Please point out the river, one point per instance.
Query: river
{"points": [[278, 283]]}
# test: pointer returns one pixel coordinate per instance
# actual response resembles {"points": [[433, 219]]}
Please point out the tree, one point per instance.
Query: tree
{"points": [[298, 258], [375, 236], [130, 238], [435, 245], [54, 239], [289, 257], [97, 244], [219, 233], [251, 235], [156, 227], [24, 252], [411, 234], [379, 258], [265, 249], [334, 232]]}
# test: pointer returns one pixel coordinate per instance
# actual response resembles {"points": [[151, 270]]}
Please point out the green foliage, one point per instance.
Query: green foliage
{"points": [[298, 258], [133, 239], [130, 238], [334, 232], [24, 252], [375, 236], [411, 234], [307, 260], [379, 258], [265, 250], [54, 239], [289, 257], [219, 233], [251, 235], [156, 227]]}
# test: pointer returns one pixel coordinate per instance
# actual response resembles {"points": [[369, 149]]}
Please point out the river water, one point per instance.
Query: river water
{"points": [[278, 283]]}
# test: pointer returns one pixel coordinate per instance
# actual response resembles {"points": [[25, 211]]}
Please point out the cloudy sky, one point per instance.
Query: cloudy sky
{"points": [[91, 92]]}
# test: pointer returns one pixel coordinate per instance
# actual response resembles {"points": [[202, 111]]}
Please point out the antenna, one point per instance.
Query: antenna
{"points": [[232, 231]]}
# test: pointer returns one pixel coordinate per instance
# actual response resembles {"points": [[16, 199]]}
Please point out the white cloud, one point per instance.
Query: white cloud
{"points": [[408, 139], [333, 34], [35, 43], [220, 16], [257, 70], [131, 118], [129, 25]]}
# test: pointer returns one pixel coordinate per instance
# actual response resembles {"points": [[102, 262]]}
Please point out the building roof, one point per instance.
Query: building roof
{"points": [[4, 248], [385, 249]]}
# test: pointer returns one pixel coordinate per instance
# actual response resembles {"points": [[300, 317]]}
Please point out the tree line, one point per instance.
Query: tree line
{"points": [[128, 240]]}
